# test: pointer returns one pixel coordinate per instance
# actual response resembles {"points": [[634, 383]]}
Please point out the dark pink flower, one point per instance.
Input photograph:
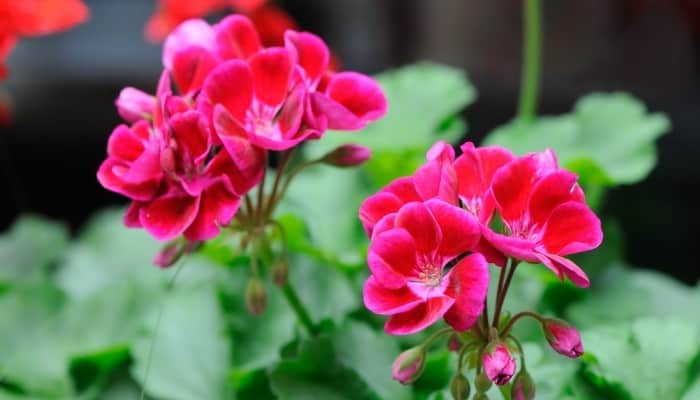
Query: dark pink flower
{"points": [[564, 338], [262, 98], [409, 365], [408, 259], [189, 55], [342, 101], [499, 366], [387, 201], [545, 215]]}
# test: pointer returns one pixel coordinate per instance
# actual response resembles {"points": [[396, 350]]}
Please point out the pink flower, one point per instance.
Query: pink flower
{"points": [[408, 259], [342, 101], [132, 167], [409, 365], [563, 337], [545, 215], [134, 105], [262, 99], [387, 201], [188, 54], [498, 364]]}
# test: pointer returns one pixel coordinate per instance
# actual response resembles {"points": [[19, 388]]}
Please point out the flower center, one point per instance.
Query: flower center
{"points": [[430, 275]]}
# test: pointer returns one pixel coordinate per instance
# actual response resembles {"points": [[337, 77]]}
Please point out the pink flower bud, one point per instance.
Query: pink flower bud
{"points": [[255, 296], [454, 343], [498, 364], [563, 337], [347, 155], [134, 104], [523, 386], [409, 365], [169, 254], [280, 273]]}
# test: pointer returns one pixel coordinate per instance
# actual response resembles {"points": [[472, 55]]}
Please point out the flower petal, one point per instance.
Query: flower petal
{"points": [[418, 318], [562, 266], [437, 178], [124, 144], [272, 72], [383, 301], [420, 223], [375, 207], [469, 284], [521, 249], [351, 101], [460, 229], [236, 38], [193, 32], [512, 185], [216, 208], [552, 190], [231, 85], [310, 53], [247, 157], [191, 67], [166, 218], [392, 257], [189, 130], [572, 228]]}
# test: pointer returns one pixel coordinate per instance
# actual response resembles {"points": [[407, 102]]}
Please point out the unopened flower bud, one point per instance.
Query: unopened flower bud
{"points": [[170, 253], [454, 343], [133, 104], [409, 365], [498, 364], [564, 338], [280, 272], [523, 386], [460, 387], [255, 296], [347, 155], [482, 383], [481, 396]]}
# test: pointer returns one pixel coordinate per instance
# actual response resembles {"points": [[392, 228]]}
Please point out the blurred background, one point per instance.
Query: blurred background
{"points": [[62, 88]]}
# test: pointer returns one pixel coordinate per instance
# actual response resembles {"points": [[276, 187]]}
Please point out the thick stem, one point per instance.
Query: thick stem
{"points": [[302, 314], [532, 48]]}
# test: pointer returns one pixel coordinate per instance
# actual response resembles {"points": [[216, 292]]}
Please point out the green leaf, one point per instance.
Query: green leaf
{"points": [[29, 248], [608, 139], [189, 358], [649, 358], [625, 294], [315, 374], [370, 355]]}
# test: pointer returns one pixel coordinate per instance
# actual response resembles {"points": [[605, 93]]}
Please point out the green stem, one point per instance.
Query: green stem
{"points": [[284, 160], [516, 317], [532, 44], [435, 336], [261, 201], [500, 295], [302, 314]]}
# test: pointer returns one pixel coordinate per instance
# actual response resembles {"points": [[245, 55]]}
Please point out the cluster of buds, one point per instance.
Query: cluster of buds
{"points": [[434, 234], [191, 156]]}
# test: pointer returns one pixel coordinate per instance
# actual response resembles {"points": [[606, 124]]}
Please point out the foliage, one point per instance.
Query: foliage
{"points": [[92, 318]]}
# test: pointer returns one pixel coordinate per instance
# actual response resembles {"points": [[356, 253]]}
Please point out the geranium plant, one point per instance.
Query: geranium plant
{"points": [[324, 234]]}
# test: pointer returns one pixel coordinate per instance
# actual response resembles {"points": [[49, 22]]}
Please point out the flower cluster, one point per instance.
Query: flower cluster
{"points": [[188, 154], [434, 233]]}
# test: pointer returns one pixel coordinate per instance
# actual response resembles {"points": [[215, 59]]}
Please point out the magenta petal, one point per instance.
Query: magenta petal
{"points": [[134, 104], [562, 266], [131, 217], [111, 176], [392, 257], [310, 52], [124, 144], [193, 32], [217, 207], [436, 179], [240, 181], [231, 85], [489, 252], [460, 229], [404, 189], [572, 228], [376, 207], [387, 222], [248, 158], [272, 72], [469, 284], [519, 248], [167, 218], [417, 219], [191, 67], [512, 185], [383, 301], [236, 38], [550, 191], [359, 94], [418, 318], [189, 130]]}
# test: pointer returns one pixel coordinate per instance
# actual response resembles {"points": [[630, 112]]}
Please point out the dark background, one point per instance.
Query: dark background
{"points": [[62, 89]]}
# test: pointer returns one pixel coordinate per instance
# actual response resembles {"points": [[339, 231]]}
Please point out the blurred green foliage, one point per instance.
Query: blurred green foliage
{"points": [[91, 318]]}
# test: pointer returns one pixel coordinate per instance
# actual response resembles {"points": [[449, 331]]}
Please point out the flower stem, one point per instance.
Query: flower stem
{"points": [[261, 200], [499, 294], [516, 317], [532, 48], [302, 314], [284, 160], [435, 336]]}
